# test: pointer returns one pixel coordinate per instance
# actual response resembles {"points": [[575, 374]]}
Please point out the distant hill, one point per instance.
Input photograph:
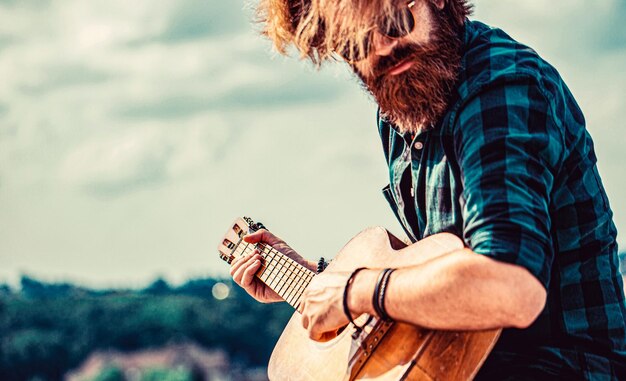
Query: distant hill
{"points": [[48, 329]]}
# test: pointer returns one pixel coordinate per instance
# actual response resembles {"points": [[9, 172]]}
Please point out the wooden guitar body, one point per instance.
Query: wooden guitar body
{"points": [[384, 351]]}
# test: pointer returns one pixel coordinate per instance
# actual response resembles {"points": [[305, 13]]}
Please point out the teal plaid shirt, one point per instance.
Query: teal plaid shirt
{"points": [[511, 169]]}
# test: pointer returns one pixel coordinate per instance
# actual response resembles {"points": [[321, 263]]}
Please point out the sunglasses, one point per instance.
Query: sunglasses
{"points": [[399, 25]]}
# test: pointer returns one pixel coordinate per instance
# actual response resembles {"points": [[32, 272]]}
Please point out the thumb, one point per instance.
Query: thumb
{"points": [[262, 236], [255, 237]]}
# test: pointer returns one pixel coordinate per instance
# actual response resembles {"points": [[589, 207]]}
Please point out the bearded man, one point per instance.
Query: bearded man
{"points": [[483, 139]]}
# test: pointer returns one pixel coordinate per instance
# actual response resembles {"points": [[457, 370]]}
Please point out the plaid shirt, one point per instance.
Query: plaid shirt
{"points": [[511, 169]]}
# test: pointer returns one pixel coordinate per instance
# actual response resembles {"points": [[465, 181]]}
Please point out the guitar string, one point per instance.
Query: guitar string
{"points": [[276, 266], [291, 291], [289, 266], [278, 262], [268, 267], [274, 261], [281, 266], [303, 275], [298, 289]]}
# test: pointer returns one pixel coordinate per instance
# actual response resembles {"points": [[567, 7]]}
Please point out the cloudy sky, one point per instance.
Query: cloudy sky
{"points": [[133, 133]]}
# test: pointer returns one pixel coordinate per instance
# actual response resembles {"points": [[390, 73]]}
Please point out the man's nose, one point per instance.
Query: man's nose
{"points": [[383, 45]]}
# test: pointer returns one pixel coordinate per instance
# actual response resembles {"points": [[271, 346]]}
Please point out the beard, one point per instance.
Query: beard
{"points": [[417, 98]]}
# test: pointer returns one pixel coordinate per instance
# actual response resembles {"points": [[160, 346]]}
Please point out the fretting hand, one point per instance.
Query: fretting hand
{"points": [[244, 268]]}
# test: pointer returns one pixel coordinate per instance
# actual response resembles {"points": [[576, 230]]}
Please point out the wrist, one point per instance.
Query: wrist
{"points": [[311, 265], [361, 290]]}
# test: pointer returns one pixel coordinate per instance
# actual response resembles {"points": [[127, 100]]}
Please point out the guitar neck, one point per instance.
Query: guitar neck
{"points": [[282, 274]]}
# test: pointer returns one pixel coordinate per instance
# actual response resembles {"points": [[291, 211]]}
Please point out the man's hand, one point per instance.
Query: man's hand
{"points": [[322, 305], [244, 268]]}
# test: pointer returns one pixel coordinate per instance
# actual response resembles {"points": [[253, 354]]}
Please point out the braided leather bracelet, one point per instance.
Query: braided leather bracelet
{"points": [[378, 299]]}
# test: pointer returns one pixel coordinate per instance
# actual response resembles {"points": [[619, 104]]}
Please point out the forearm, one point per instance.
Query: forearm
{"points": [[458, 291]]}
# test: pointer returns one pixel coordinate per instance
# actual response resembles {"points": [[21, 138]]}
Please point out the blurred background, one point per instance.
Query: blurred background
{"points": [[133, 133]]}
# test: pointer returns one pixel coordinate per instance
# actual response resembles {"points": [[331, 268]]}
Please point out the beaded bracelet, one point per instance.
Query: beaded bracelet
{"points": [[321, 265]]}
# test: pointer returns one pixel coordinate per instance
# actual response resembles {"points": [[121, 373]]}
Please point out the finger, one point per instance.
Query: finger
{"points": [[239, 261], [314, 335], [238, 272], [313, 330], [248, 274], [238, 275]]}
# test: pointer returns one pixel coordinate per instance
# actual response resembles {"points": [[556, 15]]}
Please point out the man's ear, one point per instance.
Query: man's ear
{"points": [[439, 3]]}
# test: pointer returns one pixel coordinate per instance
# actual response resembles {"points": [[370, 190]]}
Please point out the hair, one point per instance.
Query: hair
{"points": [[317, 28]]}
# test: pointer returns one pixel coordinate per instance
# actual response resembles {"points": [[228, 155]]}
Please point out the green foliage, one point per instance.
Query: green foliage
{"points": [[110, 374], [47, 330], [32, 352], [166, 375]]}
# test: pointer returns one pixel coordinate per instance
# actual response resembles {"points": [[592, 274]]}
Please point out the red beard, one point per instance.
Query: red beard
{"points": [[416, 98]]}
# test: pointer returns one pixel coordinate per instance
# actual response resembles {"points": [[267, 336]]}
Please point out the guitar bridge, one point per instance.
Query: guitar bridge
{"points": [[368, 344]]}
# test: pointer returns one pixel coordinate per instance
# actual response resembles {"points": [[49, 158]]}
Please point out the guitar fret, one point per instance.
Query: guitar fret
{"points": [[272, 264], [296, 294], [290, 289], [296, 305], [302, 280], [273, 274], [301, 285], [279, 272], [282, 271], [282, 274], [263, 274], [289, 266]]}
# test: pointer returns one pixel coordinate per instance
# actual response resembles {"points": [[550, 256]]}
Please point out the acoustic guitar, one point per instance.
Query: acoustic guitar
{"points": [[389, 351]]}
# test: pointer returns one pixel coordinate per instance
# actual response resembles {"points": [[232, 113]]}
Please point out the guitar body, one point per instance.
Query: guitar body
{"points": [[384, 351]]}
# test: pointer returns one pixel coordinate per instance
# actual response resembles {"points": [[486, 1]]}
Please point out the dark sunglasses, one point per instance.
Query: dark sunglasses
{"points": [[399, 25]]}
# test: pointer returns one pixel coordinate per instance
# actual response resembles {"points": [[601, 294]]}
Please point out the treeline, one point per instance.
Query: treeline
{"points": [[48, 329]]}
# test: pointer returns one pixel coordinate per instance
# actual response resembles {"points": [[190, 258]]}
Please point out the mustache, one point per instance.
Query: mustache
{"points": [[398, 55]]}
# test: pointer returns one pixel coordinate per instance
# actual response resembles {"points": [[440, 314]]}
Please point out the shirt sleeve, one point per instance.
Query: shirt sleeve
{"points": [[508, 149]]}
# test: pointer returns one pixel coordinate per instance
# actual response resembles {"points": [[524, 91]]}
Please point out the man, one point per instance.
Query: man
{"points": [[482, 139]]}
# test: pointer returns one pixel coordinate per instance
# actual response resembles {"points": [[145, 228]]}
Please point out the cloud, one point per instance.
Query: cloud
{"points": [[62, 77], [283, 92], [143, 156], [115, 164], [126, 121], [573, 28], [196, 19]]}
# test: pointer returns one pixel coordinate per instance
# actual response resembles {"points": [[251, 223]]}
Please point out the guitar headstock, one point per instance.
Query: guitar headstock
{"points": [[234, 236]]}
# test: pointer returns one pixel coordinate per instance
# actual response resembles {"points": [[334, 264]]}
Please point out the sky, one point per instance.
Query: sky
{"points": [[133, 133]]}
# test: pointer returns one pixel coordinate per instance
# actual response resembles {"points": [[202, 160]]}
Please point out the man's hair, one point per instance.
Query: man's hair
{"points": [[317, 28]]}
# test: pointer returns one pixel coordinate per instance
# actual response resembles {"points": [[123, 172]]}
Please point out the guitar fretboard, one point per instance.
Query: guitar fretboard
{"points": [[282, 274]]}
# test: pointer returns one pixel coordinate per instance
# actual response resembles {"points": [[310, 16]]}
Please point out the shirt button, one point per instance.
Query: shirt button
{"points": [[419, 145]]}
